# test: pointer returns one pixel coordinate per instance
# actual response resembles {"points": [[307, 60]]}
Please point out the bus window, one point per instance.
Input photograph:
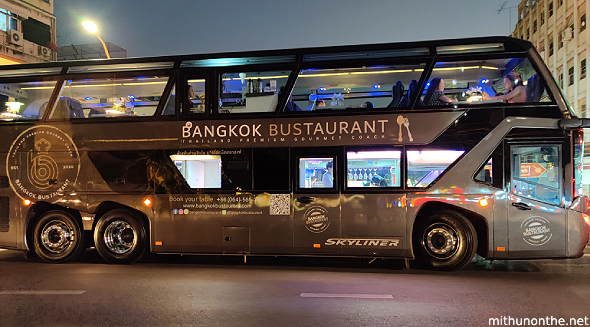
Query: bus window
{"points": [[379, 168], [229, 170], [271, 169], [245, 92], [196, 96], [359, 87], [425, 166], [510, 80], [316, 173], [24, 101], [484, 174], [536, 173], [110, 97], [199, 170], [170, 106]]}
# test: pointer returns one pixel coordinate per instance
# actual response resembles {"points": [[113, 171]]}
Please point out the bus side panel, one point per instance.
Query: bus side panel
{"points": [[374, 224], [223, 223]]}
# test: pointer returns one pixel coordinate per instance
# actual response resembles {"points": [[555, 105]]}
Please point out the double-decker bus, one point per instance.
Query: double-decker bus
{"points": [[432, 151]]}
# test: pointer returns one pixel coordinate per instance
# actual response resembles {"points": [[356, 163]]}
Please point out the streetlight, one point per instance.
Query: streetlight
{"points": [[92, 29]]}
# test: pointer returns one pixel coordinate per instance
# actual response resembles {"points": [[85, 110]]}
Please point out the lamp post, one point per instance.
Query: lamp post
{"points": [[92, 29]]}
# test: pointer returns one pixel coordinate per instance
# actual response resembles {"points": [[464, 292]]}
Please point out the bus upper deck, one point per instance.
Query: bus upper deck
{"points": [[321, 81]]}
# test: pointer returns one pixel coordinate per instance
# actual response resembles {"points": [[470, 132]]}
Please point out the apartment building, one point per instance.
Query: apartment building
{"points": [[27, 31]]}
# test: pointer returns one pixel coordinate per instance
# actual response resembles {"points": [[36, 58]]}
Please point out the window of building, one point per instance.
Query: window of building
{"points": [[551, 46], [249, 92], [528, 33], [571, 76], [550, 8], [581, 110], [560, 76], [535, 26], [583, 68], [36, 31], [425, 166], [542, 17], [378, 168], [560, 38], [110, 96], [8, 20], [559, 3], [583, 22]]}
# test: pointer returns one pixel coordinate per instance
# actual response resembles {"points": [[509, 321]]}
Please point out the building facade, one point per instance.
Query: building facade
{"points": [[558, 29], [27, 31]]}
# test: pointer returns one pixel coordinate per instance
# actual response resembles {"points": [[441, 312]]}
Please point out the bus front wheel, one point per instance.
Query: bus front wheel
{"points": [[446, 240], [120, 236], [58, 237]]}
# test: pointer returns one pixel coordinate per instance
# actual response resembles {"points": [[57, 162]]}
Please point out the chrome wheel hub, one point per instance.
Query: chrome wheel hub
{"points": [[441, 240], [57, 236], [120, 237]]}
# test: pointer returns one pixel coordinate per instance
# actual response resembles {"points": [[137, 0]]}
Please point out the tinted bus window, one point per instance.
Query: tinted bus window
{"points": [[360, 87], [316, 173], [425, 166], [196, 96], [380, 168], [536, 173], [509, 80], [246, 92], [24, 101], [110, 97]]}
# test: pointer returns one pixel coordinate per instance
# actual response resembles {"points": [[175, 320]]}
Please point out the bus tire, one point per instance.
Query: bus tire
{"points": [[446, 240], [58, 237], [120, 236]]}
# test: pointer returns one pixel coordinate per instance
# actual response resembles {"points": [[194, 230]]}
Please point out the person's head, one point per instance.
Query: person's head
{"points": [[191, 92], [512, 80], [437, 84], [329, 166], [320, 103]]}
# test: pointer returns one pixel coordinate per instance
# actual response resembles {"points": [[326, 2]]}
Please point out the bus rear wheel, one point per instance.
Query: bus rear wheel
{"points": [[58, 237], [120, 236], [445, 241]]}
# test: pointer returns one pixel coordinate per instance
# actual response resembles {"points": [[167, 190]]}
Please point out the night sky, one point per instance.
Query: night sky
{"points": [[169, 27]]}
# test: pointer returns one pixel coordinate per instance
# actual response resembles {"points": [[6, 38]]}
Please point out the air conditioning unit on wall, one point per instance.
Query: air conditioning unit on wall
{"points": [[16, 38], [43, 51]]}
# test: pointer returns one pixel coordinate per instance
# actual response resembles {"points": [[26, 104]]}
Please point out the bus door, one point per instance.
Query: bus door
{"points": [[316, 202], [536, 215]]}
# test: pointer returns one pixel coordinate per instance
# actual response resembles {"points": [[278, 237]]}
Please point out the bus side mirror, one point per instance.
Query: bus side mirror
{"points": [[574, 123]]}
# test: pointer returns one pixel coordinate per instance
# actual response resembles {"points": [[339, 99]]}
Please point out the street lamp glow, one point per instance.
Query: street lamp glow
{"points": [[90, 27]]}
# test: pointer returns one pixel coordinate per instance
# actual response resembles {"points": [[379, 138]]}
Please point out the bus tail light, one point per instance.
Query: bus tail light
{"points": [[586, 218], [27, 202]]}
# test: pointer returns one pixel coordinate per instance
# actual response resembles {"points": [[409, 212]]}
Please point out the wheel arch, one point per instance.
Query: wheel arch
{"points": [[479, 223]]}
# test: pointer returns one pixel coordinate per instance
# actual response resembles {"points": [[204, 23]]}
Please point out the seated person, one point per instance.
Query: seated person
{"points": [[434, 95], [515, 88], [318, 103], [328, 178]]}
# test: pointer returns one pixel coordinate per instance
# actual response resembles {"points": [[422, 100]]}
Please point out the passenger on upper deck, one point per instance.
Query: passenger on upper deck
{"points": [[434, 95], [516, 92]]}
